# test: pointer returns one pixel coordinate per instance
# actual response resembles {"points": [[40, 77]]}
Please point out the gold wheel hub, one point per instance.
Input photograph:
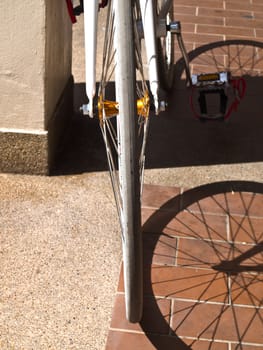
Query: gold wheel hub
{"points": [[110, 109]]}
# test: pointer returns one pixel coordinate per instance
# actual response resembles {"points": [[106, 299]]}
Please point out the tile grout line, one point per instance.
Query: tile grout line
{"points": [[220, 303]]}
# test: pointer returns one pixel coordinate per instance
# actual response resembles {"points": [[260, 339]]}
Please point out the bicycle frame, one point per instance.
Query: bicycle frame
{"points": [[151, 30]]}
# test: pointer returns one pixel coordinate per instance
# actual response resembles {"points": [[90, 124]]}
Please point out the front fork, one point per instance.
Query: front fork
{"points": [[90, 32], [149, 28], [91, 8], [151, 31]]}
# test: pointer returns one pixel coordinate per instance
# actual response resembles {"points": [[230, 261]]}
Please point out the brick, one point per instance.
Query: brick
{"points": [[203, 3], [244, 22], [201, 39], [243, 5], [189, 10], [200, 19], [235, 13], [222, 30], [259, 33]]}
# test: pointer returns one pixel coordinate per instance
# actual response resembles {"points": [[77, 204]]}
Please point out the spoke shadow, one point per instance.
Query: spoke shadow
{"points": [[203, 255]]}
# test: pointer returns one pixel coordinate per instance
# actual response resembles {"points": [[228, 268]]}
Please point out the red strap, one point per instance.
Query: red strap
{"points": [[103, 3], [70, 11], [239, 87]]}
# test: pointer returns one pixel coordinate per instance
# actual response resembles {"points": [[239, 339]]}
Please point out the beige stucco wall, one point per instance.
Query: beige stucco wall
{"points": [[22, 64], [58, 52], [36, 85], [35, 61]]}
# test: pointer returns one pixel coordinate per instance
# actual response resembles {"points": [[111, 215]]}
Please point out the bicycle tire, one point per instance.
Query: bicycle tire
{"points": [[125, 134], [165, 50], [128, 166]]}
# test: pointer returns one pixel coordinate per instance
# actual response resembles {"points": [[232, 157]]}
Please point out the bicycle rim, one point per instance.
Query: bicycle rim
{"points": [[124, 126]]}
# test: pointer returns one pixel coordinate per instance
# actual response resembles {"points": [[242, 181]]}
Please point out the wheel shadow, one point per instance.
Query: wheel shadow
{"points": [[214, 285], [176, 137]]}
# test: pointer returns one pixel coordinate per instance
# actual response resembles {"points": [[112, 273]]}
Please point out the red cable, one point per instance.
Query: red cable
{"points": [[70, 11], [239, 86], [103, 3]]}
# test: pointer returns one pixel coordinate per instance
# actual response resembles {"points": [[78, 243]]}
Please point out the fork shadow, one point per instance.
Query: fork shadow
{"points": [[208, 272]]}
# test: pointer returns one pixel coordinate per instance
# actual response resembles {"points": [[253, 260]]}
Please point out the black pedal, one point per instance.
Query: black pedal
{"points": [[212, 96]]}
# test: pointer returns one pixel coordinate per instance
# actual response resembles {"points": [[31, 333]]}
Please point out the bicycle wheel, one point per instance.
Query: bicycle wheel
{"points": [[165, 45], [240, 57], [124, 124]]}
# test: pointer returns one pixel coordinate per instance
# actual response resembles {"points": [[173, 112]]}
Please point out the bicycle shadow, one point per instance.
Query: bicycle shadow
{"points": [[208, 277], [177, 138], [180, 139]]}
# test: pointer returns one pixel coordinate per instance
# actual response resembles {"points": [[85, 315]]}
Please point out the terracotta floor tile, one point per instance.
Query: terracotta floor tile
{"points": [[232, 257], [190, 224], [151, 320], [196, 225], [159, 249], [132, 341], [241, 203], [201, 253], [195, 284], [215, 204], [179, 282], [217, 322], [235, 346], [156, 221], [247, 289], [245, 229], [157, 196], [205, 345], [233, 203]]}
